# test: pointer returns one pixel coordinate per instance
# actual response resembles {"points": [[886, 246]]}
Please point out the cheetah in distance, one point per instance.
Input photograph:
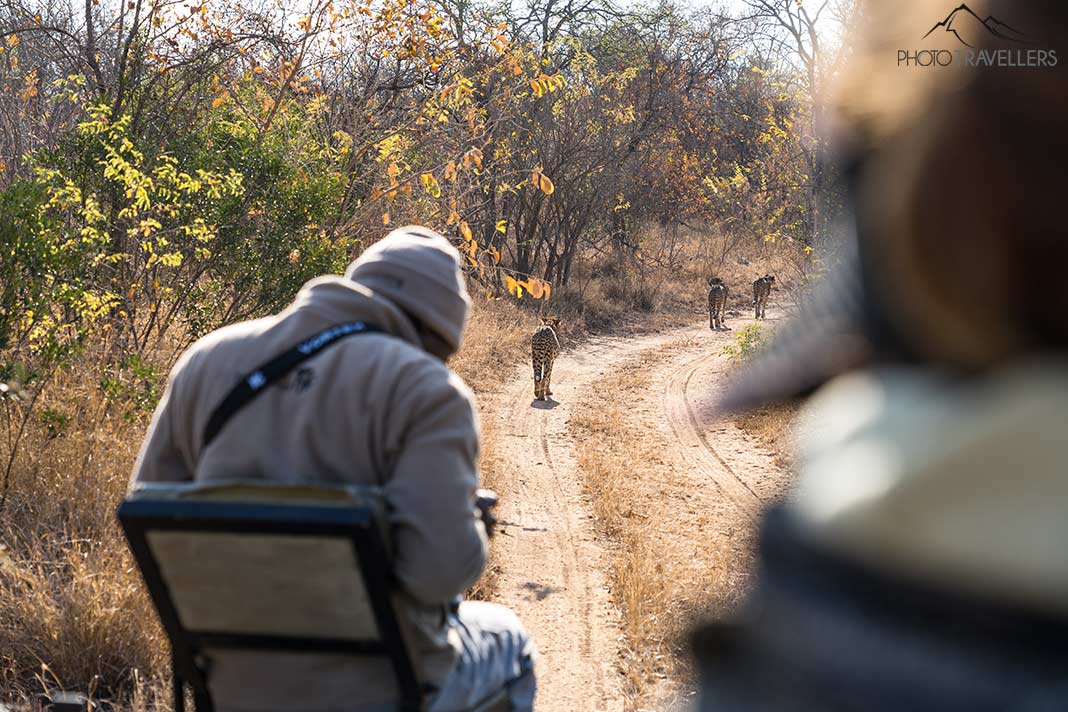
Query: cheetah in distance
{"points": [[544, 348], [717, 303], [761, 292]]}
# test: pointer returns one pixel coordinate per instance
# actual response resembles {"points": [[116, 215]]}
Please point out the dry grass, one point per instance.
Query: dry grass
{"points": [[73, 612], [773, 426], [498, 337], [669, 569]]}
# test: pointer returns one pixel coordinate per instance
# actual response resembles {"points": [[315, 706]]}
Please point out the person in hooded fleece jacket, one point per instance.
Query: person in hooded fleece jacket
{"points": [[378, 409]]}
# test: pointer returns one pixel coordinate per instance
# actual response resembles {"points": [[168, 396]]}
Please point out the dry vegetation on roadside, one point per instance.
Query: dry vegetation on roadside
{"points": [[664, 576], [496, 339], [664, 284], [773, 425], [72, 609]]}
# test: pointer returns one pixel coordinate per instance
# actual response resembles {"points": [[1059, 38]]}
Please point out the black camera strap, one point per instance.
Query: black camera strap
{"points": [[254, 383]]}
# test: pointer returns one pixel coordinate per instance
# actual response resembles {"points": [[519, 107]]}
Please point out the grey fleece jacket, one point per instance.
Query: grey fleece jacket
{"points": [[373, 409]]}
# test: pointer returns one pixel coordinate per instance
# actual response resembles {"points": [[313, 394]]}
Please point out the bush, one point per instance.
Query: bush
{"points": [[749, 341]]}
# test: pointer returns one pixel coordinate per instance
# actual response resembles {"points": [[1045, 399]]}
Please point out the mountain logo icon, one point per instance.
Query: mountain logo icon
{"points": [[968, 27]]}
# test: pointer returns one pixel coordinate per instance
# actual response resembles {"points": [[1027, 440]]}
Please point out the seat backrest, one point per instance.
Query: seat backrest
{"points": [[268, 567]]}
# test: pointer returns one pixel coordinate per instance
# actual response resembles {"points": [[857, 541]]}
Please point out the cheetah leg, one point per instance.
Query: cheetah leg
{"points": [[538, 382], [548, 379]]}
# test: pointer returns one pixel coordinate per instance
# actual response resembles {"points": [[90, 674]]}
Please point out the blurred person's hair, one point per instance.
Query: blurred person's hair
{"points": [[960, 185]]}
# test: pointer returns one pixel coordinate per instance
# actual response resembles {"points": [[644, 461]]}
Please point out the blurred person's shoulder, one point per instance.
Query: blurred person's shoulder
{"points": [[957, 481]]}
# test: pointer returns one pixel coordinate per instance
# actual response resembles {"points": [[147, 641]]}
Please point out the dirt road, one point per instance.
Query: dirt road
{"points": [[554, 567]]}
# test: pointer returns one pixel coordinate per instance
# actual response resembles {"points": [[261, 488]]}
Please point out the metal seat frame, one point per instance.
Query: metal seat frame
{"points": [[356, 523]]}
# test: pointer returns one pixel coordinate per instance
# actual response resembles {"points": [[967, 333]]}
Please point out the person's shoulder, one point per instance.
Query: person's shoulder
{"points": [[217, 346], [417, 370]]}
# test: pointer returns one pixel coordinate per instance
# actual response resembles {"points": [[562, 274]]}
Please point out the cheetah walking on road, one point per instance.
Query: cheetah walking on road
{"points": [[717, 303], [761, 292], [544, 347]]}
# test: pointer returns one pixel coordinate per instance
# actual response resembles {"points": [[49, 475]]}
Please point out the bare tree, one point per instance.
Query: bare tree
{"points": [[811, 36]]}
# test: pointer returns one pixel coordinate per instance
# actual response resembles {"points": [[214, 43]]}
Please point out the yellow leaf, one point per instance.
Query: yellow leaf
{"points": [[502, 227], [513, 287], [465, 230], [385, 218], [474, 156], [546, 185], [431, 184], [219, 101]]}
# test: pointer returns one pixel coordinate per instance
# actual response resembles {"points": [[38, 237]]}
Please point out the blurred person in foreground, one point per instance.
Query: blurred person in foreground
{"points": [[378, 408], [921, 563]]}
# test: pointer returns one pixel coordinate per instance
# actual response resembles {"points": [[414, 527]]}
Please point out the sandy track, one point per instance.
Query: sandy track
{"points": [[689, 432], [553, 568]]}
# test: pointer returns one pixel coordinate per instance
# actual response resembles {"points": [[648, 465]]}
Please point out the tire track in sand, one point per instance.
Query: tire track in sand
{"points": [[690, 433]]}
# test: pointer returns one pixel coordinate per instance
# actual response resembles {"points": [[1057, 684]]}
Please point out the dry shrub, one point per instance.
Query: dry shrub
{"points": [[76, 616], [497, 338], [631, 291], [73, 612], [665, 281]]}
